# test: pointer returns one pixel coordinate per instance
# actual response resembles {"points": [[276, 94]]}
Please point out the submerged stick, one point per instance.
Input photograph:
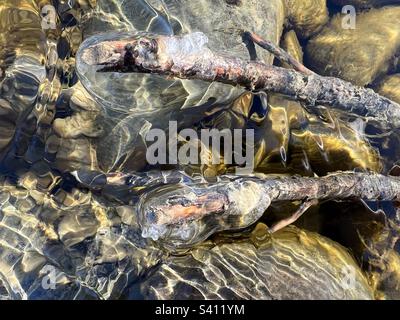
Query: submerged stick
{"points": [[294, 217], [181, 215], [181, 211], [279, 53], [187, 57]]}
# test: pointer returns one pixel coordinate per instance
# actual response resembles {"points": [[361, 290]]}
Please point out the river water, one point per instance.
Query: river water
{"points": [[57, 117]]}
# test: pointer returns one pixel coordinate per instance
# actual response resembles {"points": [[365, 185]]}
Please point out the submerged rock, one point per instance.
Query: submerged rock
{"points": [[386, 281], [307, 16], [290, 43], [327, 150], [389, 87], [357, 55], [22, 71], [293, 264]]}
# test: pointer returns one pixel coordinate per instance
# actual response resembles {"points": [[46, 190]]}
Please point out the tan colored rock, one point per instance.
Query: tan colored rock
{"points": [[307, 16], [297, 142], [293, 264], [290, 43], [390, 87], [357, 55]]}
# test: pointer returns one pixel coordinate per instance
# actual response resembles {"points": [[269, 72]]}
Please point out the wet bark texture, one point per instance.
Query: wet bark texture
{"points": [[336, 186], [186, 213], [172, 56]]}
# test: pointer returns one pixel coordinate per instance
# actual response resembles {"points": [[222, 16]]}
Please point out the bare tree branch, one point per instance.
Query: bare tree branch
{"points": [[181, 210], [279, 53], [182, 57], [173, 212]]}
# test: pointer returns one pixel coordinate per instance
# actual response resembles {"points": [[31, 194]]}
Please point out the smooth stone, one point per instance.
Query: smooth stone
{"points": [[307, 17], [389, 87], [357, 55], [293, 264]]}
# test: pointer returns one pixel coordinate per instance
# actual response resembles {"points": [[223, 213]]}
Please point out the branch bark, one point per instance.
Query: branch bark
{"points": [[174, 212], [181, 57], [279, 53], [182, 211]]}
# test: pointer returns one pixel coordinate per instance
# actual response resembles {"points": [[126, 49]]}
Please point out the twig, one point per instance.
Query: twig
{"points": [[294, 217], [279, 53], [182, 57]]}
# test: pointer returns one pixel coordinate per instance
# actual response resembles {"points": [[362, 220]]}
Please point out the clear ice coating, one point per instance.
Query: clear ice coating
{"points": [[182, 215], [130, 93], [191, 43], [134, 103]]}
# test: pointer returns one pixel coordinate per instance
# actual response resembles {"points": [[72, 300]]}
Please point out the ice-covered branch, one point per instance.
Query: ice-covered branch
{"points": [[187, 57], [180, 211], [181, 215]]}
